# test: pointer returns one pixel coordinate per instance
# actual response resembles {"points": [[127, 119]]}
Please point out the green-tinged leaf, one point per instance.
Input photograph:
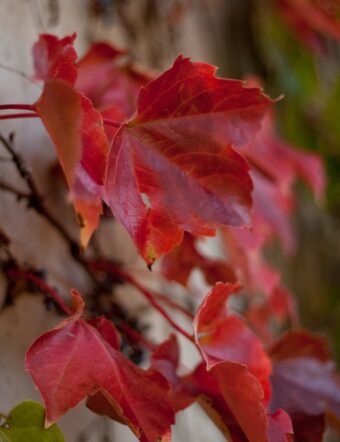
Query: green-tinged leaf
{"points": [[25, 423]]}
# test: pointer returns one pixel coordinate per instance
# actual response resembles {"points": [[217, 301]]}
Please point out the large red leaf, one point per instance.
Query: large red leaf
{"points": [[55, 58], [77, 131], [75, 360], [171, 169]]}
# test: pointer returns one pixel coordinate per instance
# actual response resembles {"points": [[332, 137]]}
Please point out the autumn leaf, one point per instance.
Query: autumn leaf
{"points": [[237, 367], [225, 337], [229, 390], [304, 380], [75, 360], [172, 168], [100, 61], [280, 428], [77, 132], [120, 82], [55, 58]]}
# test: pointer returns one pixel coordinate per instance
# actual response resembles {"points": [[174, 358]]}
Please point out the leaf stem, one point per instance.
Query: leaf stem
{"points": [[41, 284], [173, 304], [15, 116], [28, 107], [116, 271]]}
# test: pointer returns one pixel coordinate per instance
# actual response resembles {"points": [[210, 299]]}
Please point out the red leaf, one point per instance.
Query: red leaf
{"points": [[272, 210], [309, 428], [55, 58], [224, 337], [119, 83], [171, 169], [280, 427], [75, 360], [283, 163], [178, 264], [98, 62], [244, 395], [235, 394], [100, 404], [76, 129], [226, 344], [304, 379], [300, 343]]}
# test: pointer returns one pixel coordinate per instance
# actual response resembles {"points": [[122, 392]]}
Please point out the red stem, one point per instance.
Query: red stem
{"points": [[174, 305], [13, 274], [111, 268], [31, 108], [28, 107], [14, 116]]}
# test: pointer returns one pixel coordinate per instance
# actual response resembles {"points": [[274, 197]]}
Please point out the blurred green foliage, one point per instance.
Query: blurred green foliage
{"points": [[308, 117]]}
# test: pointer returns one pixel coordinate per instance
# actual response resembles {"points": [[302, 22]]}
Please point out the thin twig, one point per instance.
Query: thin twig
{"points": [[173, 304], [18, 193], [35, 201], [112, 268], [19, 72], [41, 284]]}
